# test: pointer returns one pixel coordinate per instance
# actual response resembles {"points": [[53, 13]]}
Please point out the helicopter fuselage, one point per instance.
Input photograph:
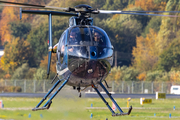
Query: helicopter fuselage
{"points": [[85, 54]]}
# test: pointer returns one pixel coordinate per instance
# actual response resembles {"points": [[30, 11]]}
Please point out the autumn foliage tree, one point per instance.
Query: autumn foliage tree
{"points": [[169, 26], [148, 5], [150, 39], [16, 53], [145, 53], [142, 76], [10, 14], [170, 57], [44, 63], [175, 76]]}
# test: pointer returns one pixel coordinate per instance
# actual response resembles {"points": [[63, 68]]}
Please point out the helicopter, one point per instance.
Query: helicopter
{"points": [[84, 51]]}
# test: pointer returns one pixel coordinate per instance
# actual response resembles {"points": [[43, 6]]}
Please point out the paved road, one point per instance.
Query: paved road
{"points": [[88, 95], [22, 94]]}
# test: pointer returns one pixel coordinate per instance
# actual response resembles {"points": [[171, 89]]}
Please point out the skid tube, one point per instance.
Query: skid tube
{"points": [[107, 104], [48, 103]]}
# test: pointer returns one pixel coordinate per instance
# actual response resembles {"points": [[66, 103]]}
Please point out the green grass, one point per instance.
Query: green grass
{"points": [[78, 109]]}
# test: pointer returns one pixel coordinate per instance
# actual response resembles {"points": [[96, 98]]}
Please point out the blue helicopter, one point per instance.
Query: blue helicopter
{"points": [[84, 51]]}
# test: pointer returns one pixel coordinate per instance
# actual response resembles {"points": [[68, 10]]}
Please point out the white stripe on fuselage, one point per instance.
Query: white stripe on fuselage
{"points": [[62, 71]]}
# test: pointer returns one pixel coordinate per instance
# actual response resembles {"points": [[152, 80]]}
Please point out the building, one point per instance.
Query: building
{"points": [[1, 51]]}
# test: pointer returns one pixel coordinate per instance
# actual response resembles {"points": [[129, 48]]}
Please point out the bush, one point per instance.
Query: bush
{"points": [[40, 74], [24, 72], [123, 73], [20, 72], [10, 89], [158, 76]]}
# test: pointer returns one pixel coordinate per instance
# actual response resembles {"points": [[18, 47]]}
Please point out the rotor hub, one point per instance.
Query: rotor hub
{"points": [[83, 6]]}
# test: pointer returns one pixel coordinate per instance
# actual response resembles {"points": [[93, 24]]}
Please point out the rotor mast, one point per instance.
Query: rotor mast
{"points": [[84, 15]]}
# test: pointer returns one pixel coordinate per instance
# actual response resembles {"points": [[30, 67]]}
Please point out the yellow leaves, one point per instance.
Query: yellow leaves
{"points": [[7, 76], [146, 52], [16, 53], [130, 6], [13, 64], [44, 62], [139, 51], [1, 81], [5, 65], [115, 16], [10, 14], [2, 62], [149, 5], [175, 76], [151, 42], [117, 36], [142, 76], [162, 6], [115, 74], [144, 4]]}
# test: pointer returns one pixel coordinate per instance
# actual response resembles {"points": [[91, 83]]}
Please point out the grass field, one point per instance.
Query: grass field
{"points": [[75, 108]]}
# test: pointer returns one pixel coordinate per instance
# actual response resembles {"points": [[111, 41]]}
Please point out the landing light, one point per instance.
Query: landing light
{"points": [[90, 71]]}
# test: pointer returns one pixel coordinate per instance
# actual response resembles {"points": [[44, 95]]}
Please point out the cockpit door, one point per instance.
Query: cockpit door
{"points": [[62, 52]]}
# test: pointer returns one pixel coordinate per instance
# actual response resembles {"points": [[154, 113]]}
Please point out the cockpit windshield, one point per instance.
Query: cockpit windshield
{"points": [[79, 36], [88, 36]]}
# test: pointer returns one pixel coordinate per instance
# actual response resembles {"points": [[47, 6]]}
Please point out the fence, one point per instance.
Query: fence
{"points": [[124, 87]]}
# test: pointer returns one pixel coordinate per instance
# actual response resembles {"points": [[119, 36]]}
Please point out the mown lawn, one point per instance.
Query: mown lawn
{"points": [[75, 108]]}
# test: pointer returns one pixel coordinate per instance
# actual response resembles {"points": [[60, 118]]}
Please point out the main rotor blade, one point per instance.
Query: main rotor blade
{"points": [[122, 12], [15, 4], [154, 11], [41, 12]]}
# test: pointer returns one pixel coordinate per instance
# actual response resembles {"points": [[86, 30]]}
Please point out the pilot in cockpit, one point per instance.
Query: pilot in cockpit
{"points": [[73, 38], [98, 41], [97, 38], [72, 41]]}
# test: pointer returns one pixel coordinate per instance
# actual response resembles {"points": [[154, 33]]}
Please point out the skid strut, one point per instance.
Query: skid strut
{"points": [[109, 95], [48, 103]]}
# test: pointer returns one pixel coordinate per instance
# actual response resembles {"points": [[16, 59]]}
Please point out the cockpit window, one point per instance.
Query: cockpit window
{"points": [[88, 36], [73, 37], [79, 36], [98, 38], [62, 47]]}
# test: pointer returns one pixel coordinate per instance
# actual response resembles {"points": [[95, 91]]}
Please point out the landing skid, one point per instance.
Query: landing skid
{"points": [[49, 102], [107, 104]]}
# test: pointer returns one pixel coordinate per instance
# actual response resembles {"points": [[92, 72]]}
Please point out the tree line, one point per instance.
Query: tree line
{"points": [[152, 43]]}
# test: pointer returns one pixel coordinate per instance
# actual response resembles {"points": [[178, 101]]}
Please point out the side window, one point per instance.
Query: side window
{"points": [[62, 47], [98, 38], [74, 36]]}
